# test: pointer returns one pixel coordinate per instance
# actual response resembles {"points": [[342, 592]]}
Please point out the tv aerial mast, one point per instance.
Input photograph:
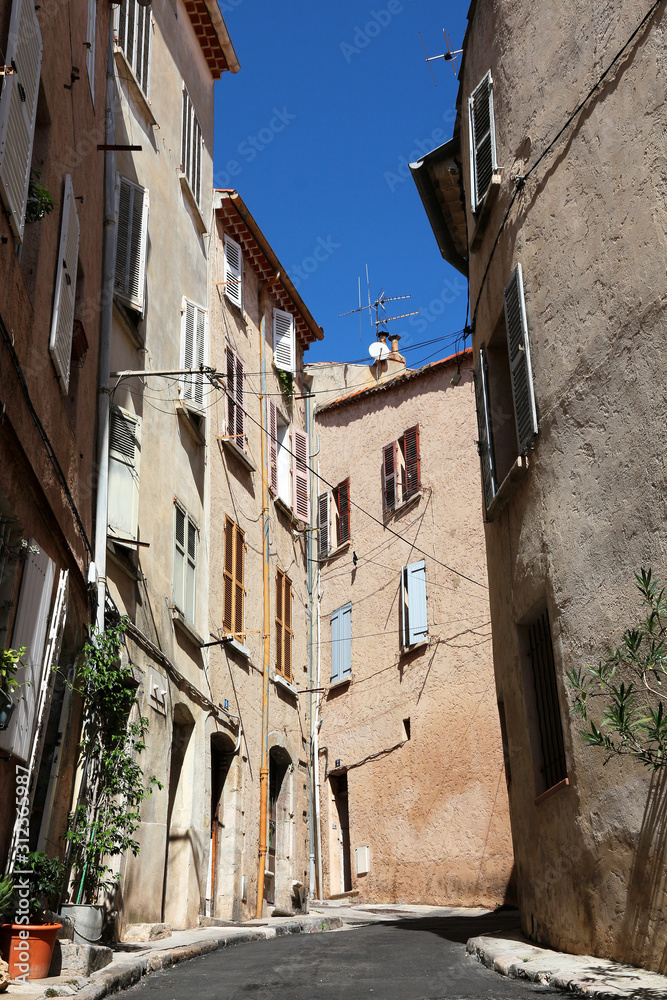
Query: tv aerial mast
{"points": [[381, 318], [450, 56]]}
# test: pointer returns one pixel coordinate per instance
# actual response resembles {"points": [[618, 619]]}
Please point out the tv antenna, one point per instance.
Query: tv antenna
{"points": [[449, 56], [381, 317]]}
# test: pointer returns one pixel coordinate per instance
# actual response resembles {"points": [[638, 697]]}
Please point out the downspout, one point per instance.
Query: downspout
{"points": [[316, 738], [266, 633], [103, 391], [313, 771]]}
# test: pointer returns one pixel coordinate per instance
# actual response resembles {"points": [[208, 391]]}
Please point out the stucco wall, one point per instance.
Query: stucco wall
{"points": [[589, 230], [434, 810]]}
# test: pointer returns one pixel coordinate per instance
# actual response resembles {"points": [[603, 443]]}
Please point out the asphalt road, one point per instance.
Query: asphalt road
{"points": [[415, 959]]}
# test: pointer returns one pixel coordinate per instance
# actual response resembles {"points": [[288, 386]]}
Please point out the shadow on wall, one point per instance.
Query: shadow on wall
{"points": [[647, 896]]}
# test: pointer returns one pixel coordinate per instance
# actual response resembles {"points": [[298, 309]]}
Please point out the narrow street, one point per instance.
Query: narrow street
{"points": [[413, 959]]}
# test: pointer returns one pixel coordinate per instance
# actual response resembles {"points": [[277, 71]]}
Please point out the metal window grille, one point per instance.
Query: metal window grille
{"points": [[546, 698]]}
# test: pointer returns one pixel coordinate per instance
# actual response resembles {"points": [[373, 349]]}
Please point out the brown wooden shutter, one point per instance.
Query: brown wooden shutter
{"points": [[412, 461], [389, 472], [288, 634], [228, 577], [273, 446], [280, 587], [342, 498], [238, 582]]}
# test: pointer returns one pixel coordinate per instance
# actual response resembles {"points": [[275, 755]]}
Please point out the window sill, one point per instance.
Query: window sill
{"points": [[193, 420], [406, 650], [552, 791], [121, 561], [192, 201], [130, 78], [484, 211], [234, 450], [286, 509], [280, 682], [344, 682], [180, 621], [238, 648], [411, 501], [508, 487], [338, 551], [125, 314]]}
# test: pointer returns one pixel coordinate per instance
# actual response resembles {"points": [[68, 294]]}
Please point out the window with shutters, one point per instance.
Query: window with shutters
{"points": [[18, 110], [91, 27], [283, 461], [124, 456], [64, 299], [284, 633], [185, 562], [401, 470], [233, 271], [194, 328], [333, 519], [505, 397], [234, 398], [233, 580], [131, 238], [284, 341], [546, 727], [341, 644], [482, 133], [414, 616], [191, 146], [133, 36]]}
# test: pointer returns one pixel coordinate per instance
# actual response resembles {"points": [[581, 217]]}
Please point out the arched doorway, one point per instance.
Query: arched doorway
{"points": [[178, 848], [279, 847], [222, 867]]}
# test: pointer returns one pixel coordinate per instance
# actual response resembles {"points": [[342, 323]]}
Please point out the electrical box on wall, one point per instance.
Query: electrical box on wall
{"points": [[362, 857]]}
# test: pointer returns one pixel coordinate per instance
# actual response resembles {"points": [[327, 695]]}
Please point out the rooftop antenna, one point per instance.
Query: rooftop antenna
{"points": [[380, 312], [449, 56]]}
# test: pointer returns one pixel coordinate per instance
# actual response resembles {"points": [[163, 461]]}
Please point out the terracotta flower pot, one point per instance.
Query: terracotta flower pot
{"points": [[28, 949]]}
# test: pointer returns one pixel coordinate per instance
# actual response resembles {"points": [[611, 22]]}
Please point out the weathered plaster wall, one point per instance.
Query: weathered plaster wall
{"points": [[589, 230], [434, 811]]}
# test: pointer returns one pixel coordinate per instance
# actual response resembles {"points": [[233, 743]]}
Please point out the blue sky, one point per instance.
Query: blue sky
{"points": [[315, 132]]}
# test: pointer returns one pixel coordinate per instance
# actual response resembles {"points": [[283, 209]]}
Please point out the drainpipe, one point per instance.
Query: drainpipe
{"points": [[266, 633], [103, 391], [316, 738], [313, 694]]}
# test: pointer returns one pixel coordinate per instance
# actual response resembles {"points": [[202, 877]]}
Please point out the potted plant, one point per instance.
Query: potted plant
{"points": [[107, 815], [27, 942], [39, 203], [10, 661]]}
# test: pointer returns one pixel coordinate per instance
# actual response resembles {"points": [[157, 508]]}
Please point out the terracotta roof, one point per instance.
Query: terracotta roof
{"points": [[398, 380], [213, 37]]}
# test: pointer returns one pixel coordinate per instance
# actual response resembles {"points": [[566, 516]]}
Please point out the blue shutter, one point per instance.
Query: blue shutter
{"points": [[415, 610], [341, 643]]}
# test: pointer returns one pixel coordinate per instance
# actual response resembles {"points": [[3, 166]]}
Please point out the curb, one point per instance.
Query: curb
{"points": [[120, 977]]}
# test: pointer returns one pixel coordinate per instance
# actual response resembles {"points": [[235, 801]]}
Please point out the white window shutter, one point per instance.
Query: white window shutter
{"points": [[525, 410], [235, 398], [18, 110], [390, 476], [190, 572], [91, 31], [62, 320], [485, 434], [194, 322], [134, 38], [273, 446], [323, 524], [415, 613], [335, 646], [180, 530], [300, 475], [124, 456], [482, 137], [30, 628], [131, 238], [284, 348], [233, 271]]}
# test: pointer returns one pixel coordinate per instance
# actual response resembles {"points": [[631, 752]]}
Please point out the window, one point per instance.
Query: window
{"points": [[482, 131], [549, 751], [284, 633], [337, 504], [191, 144], [124, 455], [234, 397], [233, 576], [90, 45], [284, 342], [185, 562], [289, 464], [18, 110], [193, 351], [132, 225], [233, 271], [341, 644], [134, 38], [62, 319], [414, 616], [401, 469], [506, 409]]}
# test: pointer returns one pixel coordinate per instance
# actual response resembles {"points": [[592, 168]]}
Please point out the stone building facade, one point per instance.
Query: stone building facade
{"points": [[566, 246], [413, 802], [51, 119]]}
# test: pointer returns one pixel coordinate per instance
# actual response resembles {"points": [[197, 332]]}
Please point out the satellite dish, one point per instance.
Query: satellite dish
{"points": [[379, 351]]}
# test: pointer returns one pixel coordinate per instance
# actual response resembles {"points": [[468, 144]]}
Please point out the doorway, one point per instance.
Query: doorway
{"points": [[278, 765], [222, 755], [178, 847], [339, 792]]}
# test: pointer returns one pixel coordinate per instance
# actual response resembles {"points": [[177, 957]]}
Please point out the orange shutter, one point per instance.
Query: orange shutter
{"points": [[228, 577], [287, 645], [238, 583], [280, 586]]}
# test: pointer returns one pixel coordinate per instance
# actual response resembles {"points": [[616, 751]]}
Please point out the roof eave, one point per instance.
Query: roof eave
{"points": [[220, 28], [428, 194]]}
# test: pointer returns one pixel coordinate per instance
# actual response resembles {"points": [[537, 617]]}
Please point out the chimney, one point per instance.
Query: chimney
{"points": [[395, 356]]}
